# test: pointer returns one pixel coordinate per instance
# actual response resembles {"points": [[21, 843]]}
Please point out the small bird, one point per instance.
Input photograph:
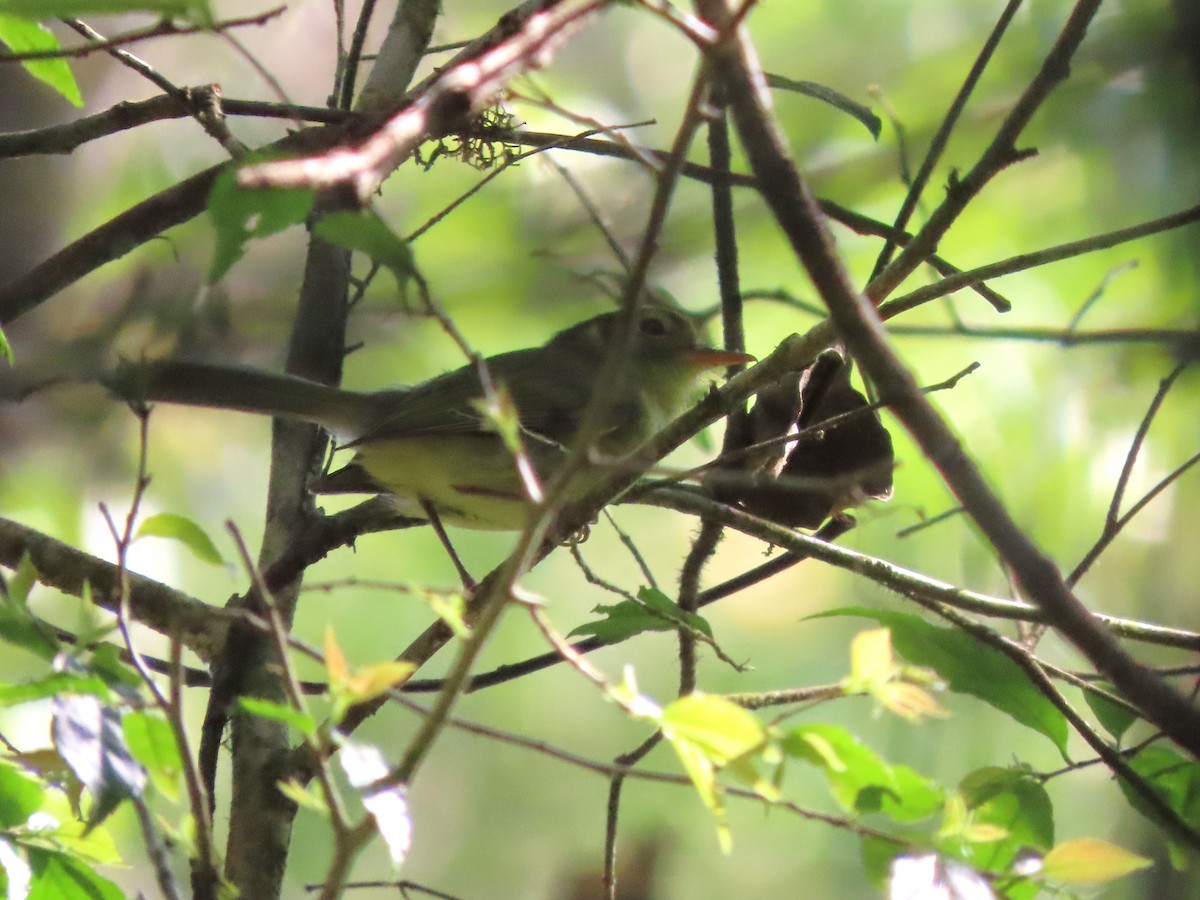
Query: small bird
{"points": [[824, 471], [431, 448]]}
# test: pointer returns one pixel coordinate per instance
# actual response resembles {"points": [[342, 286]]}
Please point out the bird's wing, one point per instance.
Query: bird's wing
{"points": [[447, 404]]}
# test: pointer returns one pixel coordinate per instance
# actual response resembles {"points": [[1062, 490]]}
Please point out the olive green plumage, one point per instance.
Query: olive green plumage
{"points": [[430, 444]]}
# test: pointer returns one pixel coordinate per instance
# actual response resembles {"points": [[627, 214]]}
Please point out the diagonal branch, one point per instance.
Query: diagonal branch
{"points": [[860, 327], [441, 107]]}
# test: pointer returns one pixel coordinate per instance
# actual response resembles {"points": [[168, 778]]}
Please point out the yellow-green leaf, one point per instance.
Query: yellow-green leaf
{"points": [[722, 729], [182, 529], [303, 796], [871, 659], [451, 607], [701, 771], [1090, 861], [909, 701], [335, 659], [369, 682]]}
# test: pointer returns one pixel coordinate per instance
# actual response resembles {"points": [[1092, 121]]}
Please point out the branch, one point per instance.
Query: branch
{"points": [[1183, 342], [66, 138], [399, 55], [200, 627], [942, 137], [165, 27], [442, 106], [971, 277], [1000, 154], [110, 241], [897, 578]]}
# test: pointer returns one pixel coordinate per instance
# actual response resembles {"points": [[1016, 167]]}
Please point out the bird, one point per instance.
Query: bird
{"points": [[432, 450], [826, 470]]}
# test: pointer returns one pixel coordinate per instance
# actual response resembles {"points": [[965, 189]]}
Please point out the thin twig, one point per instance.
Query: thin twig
{"points": [[623, 765], [627, 541], [1098, 292], [202, 105], [1037, 258], [1164, 387], [938, 143], [999, 155], [124, 538], [165, 27], [345, 99], [1160, 486]]}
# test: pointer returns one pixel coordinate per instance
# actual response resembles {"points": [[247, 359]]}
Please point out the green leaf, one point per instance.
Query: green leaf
{"points": [[151, 740], [366, 683], [21, 35], [450, 607], [858, 777], [90, 845], [1176, 780], [21, 629], [6, 348], [239, 214], [655, 612], [1115, 718], [877, 855], [280, 712], [196, 10], [703, 775], [107, 663], [20, 796], [970, 667], [366, 233], [17, 624], [1036, 825], [55, 684], [1013, 805], [182, 529], [22, 581], [912, 796], [91, 628], [57, 876], [710, 733], [836, 99]]}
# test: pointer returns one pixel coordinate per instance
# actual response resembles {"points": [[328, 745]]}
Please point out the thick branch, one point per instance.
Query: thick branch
{"points": [[199, 627]]}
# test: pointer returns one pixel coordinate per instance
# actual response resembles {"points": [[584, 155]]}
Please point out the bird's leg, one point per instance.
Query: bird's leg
{"points": [[468, 583]]}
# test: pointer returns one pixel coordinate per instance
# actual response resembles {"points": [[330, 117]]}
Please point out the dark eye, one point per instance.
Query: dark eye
{"points": [[654, 327]]}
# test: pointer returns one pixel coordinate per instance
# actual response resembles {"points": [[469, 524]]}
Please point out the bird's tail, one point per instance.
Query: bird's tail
{"points": [[346, 413]]}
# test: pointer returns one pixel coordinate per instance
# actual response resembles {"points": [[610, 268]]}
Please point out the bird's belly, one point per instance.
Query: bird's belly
{"points": [[470, 479]]}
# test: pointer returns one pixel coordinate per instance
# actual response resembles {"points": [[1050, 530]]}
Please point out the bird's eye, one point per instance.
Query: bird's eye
{"points": [[653, 326]]}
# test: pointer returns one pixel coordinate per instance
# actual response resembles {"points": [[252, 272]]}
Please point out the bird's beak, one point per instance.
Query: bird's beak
{"points": [[708, 358]]}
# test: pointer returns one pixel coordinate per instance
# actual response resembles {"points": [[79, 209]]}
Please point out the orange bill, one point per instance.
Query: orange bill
{"points": [[708, 358]]}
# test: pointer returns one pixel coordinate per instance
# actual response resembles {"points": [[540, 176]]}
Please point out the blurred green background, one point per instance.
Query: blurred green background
{"points": [[1049, 425]]}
